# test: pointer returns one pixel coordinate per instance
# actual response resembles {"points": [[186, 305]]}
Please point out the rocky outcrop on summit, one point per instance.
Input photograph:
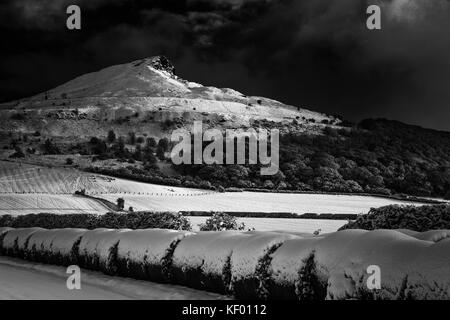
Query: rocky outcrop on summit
{"points": [[159, 62]]}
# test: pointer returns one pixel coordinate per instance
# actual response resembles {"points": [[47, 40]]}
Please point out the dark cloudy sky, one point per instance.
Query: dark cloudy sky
{"points": [[311, 53]]}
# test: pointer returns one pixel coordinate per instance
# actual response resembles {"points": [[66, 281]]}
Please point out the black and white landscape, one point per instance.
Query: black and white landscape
{"points": [[90, 195]]}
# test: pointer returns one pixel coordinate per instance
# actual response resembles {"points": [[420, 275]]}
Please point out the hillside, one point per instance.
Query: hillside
{"points": [[144, 96], [116, 122]]}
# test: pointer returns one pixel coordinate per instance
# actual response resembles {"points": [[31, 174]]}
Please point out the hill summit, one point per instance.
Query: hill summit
{"points": [[146, 95]]}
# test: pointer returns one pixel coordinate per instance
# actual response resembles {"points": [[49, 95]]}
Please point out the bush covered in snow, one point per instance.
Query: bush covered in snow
{"points": [[221, 221], [251, 264], [294, 274], [132, 220], [203, 260], [421, 218], [57, 246], [98, 249], [15, 241], [147, 254]]}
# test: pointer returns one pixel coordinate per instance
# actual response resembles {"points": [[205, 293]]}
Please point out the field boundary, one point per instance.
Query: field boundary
{"points": [[274, 215]]}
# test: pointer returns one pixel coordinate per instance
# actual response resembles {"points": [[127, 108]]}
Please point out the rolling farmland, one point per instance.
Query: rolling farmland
{"points": [[19, 204], [25, 178], [280, 224], [26, 189], [255, 202]]}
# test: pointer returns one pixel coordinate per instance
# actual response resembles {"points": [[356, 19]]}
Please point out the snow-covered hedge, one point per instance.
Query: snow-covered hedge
{"points": [[57, 246], [429, 277], [4, 229], [254, 265], [64, 248], [393, 252], [3, 232], [15, 241], [147, 254], [432, 235], [251, 264], [203, 260], [38, 245], [293, 271], [98, 249]]}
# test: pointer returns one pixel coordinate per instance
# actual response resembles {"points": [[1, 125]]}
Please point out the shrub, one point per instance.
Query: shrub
{"points": [[19, 116], [309, 286], [120, 203], [111, 136], [221, 221], [18, 153], [140, 140], [447, 195], [50, 147]]}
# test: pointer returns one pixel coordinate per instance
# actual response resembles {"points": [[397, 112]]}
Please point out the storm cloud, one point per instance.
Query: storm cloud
{"points": [[316, 54]]}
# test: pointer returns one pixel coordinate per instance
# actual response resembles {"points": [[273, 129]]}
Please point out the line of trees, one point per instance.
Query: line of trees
{"points": [[378, 156]]}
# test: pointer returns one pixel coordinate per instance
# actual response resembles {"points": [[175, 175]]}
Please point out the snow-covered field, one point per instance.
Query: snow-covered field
{"points": [[20, 204], [28, 188], [256, 202], [280, 224], [28, 280], [25, 178]]}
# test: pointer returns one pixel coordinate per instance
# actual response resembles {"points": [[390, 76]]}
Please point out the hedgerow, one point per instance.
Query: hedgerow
{"points": [[132, 220], [253, 265], [420, 219]]}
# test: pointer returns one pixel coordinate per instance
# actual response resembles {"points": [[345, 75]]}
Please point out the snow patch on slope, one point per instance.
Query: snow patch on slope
{"points": [[169, 78]]}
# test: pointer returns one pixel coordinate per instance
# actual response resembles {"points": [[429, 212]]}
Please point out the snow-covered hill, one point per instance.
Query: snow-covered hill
{"points": [[147, 93]]}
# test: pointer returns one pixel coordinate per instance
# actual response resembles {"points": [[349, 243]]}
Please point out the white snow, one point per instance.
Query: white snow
{"points": [[20, 204], [433, 235], [20, 235], [194, 85], [65, 239], [95, 246], [26, 280], [168, 77], [4, 229], [255, 202], [147, 247], [247, 254], [209, 251], [281, 224], [412, 264], [429, 276], [41, 240], [288, 259]]}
